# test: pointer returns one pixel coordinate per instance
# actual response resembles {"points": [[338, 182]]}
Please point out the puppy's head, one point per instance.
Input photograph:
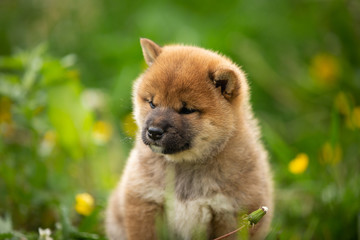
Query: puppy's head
{"points": [[187, 102]]}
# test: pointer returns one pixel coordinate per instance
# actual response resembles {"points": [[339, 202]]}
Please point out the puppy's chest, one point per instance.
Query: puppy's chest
{"points": [[187, 216], [197, 198], [195, 183]]}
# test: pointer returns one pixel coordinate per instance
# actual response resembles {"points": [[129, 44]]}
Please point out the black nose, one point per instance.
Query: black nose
{"points": [[155, 133]]}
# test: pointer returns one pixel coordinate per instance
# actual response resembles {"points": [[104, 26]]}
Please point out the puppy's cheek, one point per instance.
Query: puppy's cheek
{"points": [[140, 114], [213, 139]]}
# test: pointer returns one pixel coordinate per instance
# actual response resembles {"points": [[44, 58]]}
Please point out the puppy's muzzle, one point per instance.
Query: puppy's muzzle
{"points": [[166, 131]]}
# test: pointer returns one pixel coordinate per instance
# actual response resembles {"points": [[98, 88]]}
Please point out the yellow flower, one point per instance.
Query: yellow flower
{"points": [[129, 125], [299, 163], [102, 132], [325, 69], [73, 74], [342, 103], [356, 116], [50, 136], [84, 204], [5, 110], [48, 143], [331, 154]]}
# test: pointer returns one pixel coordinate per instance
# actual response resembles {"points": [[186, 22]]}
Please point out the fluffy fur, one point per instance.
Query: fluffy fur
{"points": [[198, 137]]}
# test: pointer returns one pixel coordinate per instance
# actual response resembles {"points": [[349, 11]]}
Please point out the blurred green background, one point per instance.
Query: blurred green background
{"points": [[66, 70]]}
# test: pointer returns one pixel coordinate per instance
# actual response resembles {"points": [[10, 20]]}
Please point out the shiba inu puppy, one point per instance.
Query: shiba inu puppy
{"points": [[195, 120]]}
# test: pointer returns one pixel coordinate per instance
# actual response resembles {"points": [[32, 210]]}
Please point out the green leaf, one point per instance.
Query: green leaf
{"points": [[10, 63], [6, 236], [33, 66], [69, 117]]}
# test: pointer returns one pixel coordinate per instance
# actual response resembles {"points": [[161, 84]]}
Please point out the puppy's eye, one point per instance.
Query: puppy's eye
{"points": [[185, 110], [152, 105]]}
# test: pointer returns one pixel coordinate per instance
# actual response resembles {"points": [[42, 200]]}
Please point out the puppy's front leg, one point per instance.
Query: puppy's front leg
{"points": [[140, 217]]}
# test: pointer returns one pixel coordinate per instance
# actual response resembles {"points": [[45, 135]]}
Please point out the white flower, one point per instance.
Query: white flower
{"points": [[93, 99], [44, 234]]}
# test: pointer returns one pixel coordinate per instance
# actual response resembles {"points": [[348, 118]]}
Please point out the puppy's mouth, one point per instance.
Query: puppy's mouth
{"points": [[168, 150], [156, 149], [167, 143]]}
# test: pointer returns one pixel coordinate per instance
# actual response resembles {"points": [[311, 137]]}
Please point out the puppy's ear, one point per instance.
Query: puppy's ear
{"points": [[227, 81], [150, 50]]}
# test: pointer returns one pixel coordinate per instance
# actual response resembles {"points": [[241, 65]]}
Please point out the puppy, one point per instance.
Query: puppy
{"points": [[195, 125]]}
